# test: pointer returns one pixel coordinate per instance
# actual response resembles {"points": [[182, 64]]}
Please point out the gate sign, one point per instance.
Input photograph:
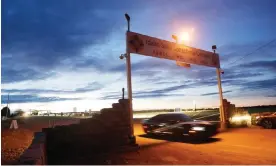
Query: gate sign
{"points": [[150, 46]]}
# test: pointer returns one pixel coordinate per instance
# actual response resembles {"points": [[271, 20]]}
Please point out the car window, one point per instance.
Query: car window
{"points": [[158, 118], [175, 117], [182, 117], [186, 118]]}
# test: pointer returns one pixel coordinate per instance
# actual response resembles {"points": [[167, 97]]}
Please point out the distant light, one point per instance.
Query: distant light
{"points": [[25, 114]]}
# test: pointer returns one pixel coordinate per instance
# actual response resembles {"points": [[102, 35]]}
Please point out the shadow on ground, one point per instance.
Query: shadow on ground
{"points": [[183, 139]]}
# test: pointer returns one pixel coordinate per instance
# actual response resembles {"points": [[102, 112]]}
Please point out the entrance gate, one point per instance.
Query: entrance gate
{"points": [[154, 47]]}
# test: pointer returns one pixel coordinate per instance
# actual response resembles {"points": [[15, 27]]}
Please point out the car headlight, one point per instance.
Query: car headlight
{"points": [[238, 118], [197, 128]]}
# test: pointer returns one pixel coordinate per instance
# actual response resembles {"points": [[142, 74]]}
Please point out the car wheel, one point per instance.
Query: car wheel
{"points": [[267, 124]]}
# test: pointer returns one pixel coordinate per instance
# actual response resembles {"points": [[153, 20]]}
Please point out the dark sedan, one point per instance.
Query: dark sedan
{"points": [[267, 121], [179, 124]]}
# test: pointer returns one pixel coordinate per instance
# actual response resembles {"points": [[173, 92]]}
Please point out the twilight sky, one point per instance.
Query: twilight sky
{"points": [[63, 54]]}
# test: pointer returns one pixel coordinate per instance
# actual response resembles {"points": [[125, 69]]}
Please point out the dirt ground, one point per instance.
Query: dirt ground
{"points": [[15, 141], [238, 146], [13, 144]]}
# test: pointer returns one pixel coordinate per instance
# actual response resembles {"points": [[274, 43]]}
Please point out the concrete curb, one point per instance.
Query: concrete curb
{"points": [[36, 153]]}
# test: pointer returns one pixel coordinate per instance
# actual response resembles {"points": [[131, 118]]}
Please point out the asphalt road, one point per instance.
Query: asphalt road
{"points": [[236, 146]]}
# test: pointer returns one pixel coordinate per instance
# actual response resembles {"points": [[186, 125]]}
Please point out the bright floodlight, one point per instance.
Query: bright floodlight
{"points": [[184, 37]]}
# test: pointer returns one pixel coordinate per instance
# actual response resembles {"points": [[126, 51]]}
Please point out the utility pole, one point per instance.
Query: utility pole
{"points": [[129, 87], [222, 113]]}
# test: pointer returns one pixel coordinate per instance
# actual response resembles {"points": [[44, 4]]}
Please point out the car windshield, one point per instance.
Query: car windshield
{"points": [[187, 118], [171, 116]]}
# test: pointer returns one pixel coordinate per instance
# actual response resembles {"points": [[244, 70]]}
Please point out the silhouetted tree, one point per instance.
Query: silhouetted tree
{"points": [[35, 112], [19, 112]]}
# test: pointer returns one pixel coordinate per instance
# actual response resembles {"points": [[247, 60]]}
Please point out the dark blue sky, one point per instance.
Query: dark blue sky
{"points": [[66, 51]]}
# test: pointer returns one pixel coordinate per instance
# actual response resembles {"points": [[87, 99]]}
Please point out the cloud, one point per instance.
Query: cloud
{"points": [[49, 31], [270, 65], [164, 92], [269, 84], [45, 39], [157, 95], [41, 36], [234, 55], [31, 99], [90, 87], [92, 62], [274, 95], [166, 82], [228, 74], [10, 75], [142, 95], [215, 93]]}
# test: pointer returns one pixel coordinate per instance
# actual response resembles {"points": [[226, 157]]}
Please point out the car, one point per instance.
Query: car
{"points": [[267, 121], [179, 125]]}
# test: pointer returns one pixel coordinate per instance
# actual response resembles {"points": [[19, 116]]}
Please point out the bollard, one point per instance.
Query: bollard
{"points": [[14, 124]]}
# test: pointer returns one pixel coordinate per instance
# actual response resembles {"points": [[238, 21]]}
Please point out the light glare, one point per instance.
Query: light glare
{"points": [[184, 37]]}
